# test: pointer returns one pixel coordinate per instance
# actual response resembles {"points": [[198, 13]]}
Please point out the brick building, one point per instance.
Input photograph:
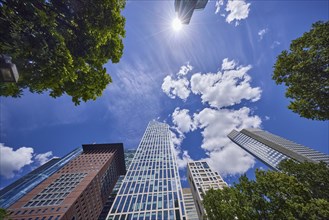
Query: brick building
{"points": [[76, 191]]}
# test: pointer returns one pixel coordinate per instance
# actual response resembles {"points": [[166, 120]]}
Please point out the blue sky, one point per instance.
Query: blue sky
{"points": [[204, 80]]}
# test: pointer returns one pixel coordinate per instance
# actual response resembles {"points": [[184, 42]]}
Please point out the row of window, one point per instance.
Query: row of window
{"points": [[41, 218], [267, 154], [165, 215], [35, 211], [57, 191]]}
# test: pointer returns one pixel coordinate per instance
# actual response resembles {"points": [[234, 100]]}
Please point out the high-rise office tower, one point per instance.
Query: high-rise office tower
{"points": [[202, 178], [12, 193], [190, 209], [151, 188], [78, 190], [185, 8], [129, 155], [272, 149]]}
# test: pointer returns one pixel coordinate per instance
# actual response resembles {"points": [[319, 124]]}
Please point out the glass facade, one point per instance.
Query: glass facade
{"points": [[185, 8], [24, 185], [151, 188], [272, 149], [129, 155], [78, 190]]}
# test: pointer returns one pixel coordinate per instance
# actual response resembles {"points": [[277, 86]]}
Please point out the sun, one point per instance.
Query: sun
{"points": [[177, 24]]}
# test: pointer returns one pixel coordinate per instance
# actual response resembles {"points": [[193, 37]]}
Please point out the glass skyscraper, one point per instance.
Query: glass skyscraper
{"points": [[272, 149], [185, 8], [151, 188], [78, 190], [129, 155], [12, 193]]}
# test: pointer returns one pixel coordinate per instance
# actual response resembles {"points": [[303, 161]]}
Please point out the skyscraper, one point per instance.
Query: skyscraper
{"points": [[129, 155], [202, 178], [76, 191], [12, 193], [272, 149], [190, 209], [185, 8], [151, 189]]}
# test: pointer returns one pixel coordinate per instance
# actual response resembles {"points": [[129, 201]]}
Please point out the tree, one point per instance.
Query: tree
{"points": [[290, 194], [3, 214], [305, 71], [61, 46]]}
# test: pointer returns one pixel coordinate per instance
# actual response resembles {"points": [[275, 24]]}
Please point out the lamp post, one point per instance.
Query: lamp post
{"points": [[7, 69]]}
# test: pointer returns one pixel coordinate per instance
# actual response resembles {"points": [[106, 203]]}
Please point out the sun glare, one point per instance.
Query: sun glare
{"points": [[177, 24]]}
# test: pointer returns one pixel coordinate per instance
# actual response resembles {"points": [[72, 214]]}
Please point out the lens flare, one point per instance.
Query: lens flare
{"points": [[177, 24]]}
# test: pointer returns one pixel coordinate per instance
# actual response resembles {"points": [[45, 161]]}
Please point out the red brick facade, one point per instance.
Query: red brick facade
{"points": [[78, 190]]}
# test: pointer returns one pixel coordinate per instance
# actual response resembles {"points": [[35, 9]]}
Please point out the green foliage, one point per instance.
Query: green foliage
{"points": [[290, 194], [314, 176], [61, 46], [305, 71], [3, 214]]}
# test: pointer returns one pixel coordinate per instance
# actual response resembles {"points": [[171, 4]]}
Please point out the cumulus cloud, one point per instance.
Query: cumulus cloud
{"points": [[225, 88], [14, 160], [183, 120], [228, 65], [220, 90], [218, 5], [262, 32], [44, 158], [185, 69], [225, 156], [178, 86], [182, 157], [218, 123], [230, 160], [237, 9]]}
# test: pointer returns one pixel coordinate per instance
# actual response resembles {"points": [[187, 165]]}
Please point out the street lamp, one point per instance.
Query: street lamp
{"points": [[7, 69]]}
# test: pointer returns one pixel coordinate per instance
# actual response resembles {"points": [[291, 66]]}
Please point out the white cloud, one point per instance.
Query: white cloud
{"points": [[224, 156], [262, 32], [230, 160], [183, 120], [14, 160], [228, 65], [227, 88], [43, 158], [182, 158], [173, 87], [185, 69], [217, 124], [267, 118], [177, 139], [275, 44], [219, 90], [179, 86], [238, 10], [219, 4]]}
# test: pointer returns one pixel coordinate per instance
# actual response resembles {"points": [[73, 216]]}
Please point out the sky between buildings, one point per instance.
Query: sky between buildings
{"points": [[212, 76]]}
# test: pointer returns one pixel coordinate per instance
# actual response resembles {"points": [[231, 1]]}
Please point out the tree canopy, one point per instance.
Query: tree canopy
{"points": [[300, 191], [305, 71], [61, 46]]}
